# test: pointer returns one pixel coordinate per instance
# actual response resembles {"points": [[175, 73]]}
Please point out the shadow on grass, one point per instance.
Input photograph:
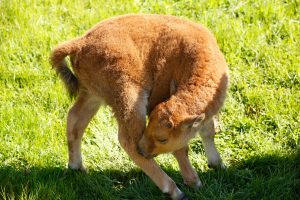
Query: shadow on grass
{"points": [[264, 177]]}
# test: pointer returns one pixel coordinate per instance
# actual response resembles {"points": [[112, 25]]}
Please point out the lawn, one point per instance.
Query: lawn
{"points": [[259, 130]]}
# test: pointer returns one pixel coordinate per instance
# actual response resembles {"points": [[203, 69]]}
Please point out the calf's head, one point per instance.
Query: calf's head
{"points": [[168, 131]]}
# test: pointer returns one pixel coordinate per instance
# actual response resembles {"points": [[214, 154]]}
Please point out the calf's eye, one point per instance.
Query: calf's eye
{"points": [[163, 141]]}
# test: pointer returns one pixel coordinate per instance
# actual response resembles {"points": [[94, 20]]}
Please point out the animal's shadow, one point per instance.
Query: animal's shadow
{"points": [[263, 177]]}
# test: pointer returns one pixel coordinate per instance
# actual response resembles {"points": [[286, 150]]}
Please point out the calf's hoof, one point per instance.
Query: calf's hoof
{"points": [[194, 184], [181, 197], [217, 166], [79, 168]]}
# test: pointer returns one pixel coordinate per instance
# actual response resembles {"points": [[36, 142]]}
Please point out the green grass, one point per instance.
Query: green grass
{"points": [[259, 135]]}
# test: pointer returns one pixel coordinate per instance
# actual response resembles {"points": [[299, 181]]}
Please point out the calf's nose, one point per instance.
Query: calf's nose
{"points": [[140, 150]]}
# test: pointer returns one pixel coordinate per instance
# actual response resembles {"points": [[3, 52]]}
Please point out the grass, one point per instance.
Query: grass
{"points": [[259, 137]]}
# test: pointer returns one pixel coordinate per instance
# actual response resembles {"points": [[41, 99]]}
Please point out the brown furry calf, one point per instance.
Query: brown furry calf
{"points": [[167, 67]]}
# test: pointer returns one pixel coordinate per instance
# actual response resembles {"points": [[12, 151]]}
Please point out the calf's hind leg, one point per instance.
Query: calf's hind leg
{"points": [[85, 107]]}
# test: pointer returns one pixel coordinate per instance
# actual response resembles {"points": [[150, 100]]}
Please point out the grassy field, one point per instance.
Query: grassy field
{"points": [[259, 134]]}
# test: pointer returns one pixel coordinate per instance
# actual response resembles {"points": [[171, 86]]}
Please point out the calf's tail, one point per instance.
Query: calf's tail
{"points": [[57, 60]]}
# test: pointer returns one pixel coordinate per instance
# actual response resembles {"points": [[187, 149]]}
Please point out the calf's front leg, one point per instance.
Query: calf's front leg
{"points": [[189, 174], [150, 167], [207, 134]]}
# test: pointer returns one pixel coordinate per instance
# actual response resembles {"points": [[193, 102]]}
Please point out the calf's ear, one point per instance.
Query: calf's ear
{"points": [[167, 123], [193, 121]]}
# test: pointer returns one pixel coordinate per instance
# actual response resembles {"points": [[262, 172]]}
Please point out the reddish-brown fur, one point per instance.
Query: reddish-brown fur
{"points": [[164, 66]]}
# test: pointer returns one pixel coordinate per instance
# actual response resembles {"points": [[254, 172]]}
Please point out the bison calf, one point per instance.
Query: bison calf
{"points": [[162, 66]]}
